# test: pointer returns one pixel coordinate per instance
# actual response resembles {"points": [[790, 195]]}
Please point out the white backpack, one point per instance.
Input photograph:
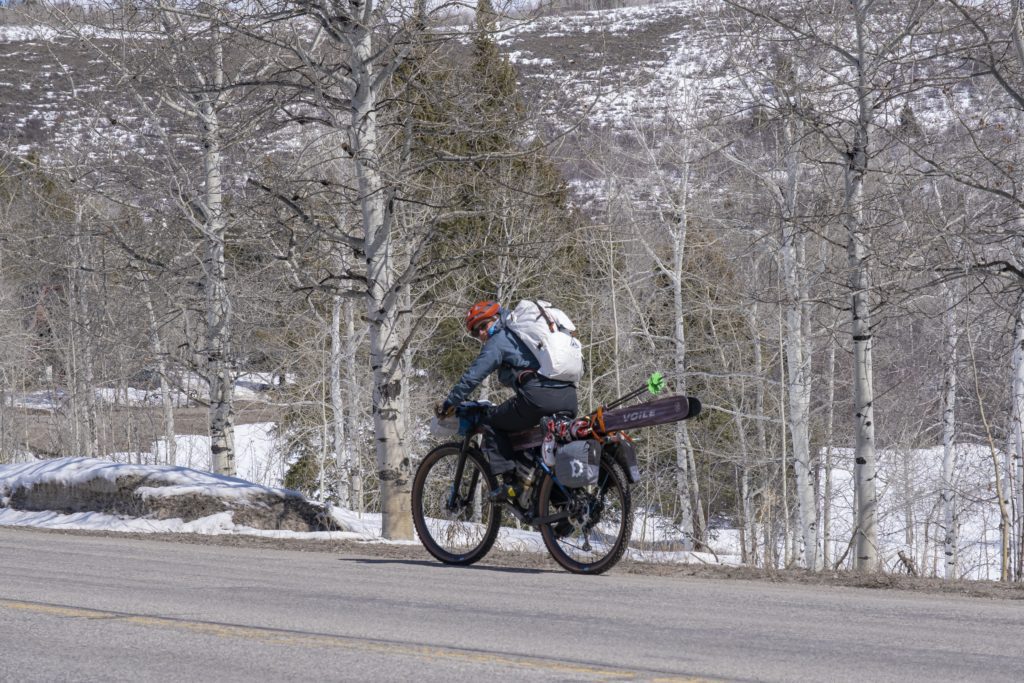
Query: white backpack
{"points": [[547, 332]]}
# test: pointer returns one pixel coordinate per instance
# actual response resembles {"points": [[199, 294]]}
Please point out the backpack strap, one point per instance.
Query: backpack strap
{"points": [[544, 314], [523, 375]]}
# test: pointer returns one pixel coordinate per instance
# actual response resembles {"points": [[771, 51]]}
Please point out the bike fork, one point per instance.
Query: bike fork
{"points": [[460, 469]]}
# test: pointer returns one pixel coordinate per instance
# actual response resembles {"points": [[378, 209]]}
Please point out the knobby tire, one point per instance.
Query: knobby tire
{"points": [[464, 533], [589, 546]]}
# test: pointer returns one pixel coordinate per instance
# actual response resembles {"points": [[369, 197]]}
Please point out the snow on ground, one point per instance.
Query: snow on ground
{"points": [[179, 480], [161, 481], [168, 480], [619, 67], [909, 483], [364, 528], [908, 488], [17, 34], [258, 455], [249, 386], [25, 33], [47, 399]]}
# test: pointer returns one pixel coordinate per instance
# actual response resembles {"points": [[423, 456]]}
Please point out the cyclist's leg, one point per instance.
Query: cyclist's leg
{"points": [[514, 415]]}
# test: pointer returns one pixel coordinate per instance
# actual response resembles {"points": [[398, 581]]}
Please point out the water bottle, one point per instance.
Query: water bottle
{"points": [[547, 449], [526, 474]]}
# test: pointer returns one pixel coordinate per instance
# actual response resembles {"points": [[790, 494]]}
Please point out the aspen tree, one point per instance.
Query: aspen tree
{"points": [[861, 45]]}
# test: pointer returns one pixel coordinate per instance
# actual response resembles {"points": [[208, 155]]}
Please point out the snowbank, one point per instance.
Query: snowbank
{"points": [[71, 486]]}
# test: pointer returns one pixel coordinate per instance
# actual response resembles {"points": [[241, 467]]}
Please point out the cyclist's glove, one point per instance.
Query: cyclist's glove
{"points": [[443, 409]]}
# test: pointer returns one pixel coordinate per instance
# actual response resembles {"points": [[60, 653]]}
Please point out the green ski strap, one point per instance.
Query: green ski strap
{"points": [[656, 383]]}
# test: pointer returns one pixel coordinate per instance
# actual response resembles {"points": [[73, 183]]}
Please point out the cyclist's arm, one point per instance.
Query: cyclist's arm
{"points": [[489, 360]]}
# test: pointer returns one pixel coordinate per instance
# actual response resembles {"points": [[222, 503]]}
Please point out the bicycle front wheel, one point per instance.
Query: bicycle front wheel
{"points": [[453, 518], [593, 536]]}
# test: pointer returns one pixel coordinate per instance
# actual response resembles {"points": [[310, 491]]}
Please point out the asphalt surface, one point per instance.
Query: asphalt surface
{"points": [[84, 608]]}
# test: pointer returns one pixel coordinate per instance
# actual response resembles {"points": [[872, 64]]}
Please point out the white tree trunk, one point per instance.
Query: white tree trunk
{"points": [[342, 448], [1013, 515], [217, 361], [799, 393], [683, 492], [767, 526], [1017, 404], [798, 357], [351, 421], [948, 499], [1018, 401], [826, 506], [1015, 469], [858, 249], [787, 534], [156, 346], [386, 331], [686, 482], [748, 529], [750, 525], [858, 253], [83, 380]]}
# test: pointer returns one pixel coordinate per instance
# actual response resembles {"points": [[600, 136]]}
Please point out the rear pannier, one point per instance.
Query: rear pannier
{"points": [[578, 463]]}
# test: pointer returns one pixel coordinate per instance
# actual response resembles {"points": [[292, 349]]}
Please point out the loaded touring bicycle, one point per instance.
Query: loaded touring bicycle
{"points": [[576, 476]]}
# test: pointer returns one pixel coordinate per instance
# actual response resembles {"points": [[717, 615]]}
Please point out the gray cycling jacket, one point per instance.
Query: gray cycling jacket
{"points": [[502, 352]]}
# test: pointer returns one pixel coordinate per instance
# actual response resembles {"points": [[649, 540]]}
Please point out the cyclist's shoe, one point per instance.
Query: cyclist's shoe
{"points": [[508, 491]]}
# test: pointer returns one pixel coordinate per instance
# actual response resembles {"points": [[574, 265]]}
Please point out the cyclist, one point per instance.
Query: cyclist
{"points": [[535, 395]]}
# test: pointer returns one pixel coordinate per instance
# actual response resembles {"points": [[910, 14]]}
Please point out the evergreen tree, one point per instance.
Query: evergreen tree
{"points": [[494, 174]]}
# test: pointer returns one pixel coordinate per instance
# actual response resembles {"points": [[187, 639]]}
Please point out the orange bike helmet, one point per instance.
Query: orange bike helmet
{"points": [[479, 312]]}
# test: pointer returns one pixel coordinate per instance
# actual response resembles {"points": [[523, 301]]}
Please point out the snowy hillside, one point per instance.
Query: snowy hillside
{"points": [[614, 68], [603, 68]]}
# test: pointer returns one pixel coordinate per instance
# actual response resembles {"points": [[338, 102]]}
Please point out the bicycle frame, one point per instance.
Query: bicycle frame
{"points": [[524, 516]]}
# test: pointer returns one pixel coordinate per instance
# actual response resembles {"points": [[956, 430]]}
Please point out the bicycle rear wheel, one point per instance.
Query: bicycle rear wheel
{"points": [[594, 536], [454, 520]]}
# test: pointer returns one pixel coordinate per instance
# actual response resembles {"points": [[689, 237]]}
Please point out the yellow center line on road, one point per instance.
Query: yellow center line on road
{"points": [[304, 639]]}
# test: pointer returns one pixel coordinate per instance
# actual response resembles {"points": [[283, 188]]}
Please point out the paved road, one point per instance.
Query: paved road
{"points": [[86, 608]]}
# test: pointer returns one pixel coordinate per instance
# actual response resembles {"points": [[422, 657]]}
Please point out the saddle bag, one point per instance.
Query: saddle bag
{"points": [[578, 463], [624, 452]]}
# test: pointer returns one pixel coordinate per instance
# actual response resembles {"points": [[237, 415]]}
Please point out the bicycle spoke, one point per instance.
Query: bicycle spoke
{"points": [[451, 522]]}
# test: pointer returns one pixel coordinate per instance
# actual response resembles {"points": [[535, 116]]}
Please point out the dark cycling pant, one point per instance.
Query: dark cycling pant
{"points": [[534, 399]]}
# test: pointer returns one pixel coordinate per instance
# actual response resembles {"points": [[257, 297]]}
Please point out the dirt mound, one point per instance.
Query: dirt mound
{"points": [[147, 496]]}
